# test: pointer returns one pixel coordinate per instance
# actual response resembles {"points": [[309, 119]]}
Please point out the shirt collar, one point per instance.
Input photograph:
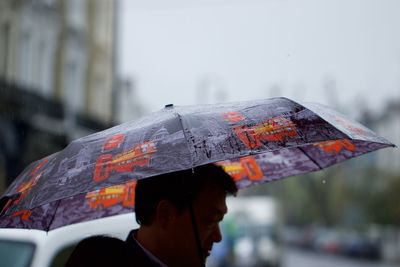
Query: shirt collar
{"points": [[148, 253]]}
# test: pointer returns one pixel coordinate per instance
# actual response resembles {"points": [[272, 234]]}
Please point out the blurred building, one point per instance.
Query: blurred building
{"points": [[388, 125], [128, 106], [85, 70], [57, 76]]}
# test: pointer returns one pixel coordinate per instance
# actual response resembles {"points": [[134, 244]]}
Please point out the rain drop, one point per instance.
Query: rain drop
{"points": [[323, 181]]}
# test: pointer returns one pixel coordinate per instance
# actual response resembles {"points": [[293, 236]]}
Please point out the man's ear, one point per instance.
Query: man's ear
{"points": [[165, 213]]}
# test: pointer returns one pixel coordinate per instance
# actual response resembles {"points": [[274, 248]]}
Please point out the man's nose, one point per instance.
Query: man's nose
{"points": [[217, 234]]}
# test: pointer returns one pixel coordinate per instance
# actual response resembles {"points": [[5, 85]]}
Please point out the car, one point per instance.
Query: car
{"points": [[360, 246], [36, 248], [328, 241]]}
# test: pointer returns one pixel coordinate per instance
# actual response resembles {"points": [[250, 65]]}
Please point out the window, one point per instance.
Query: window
{"points": [[4, 36], [25, 59], [16, 254]]}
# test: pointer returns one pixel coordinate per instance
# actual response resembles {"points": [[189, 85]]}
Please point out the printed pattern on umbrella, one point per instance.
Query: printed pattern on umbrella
{"points": [[254, 141], [100, 203]]}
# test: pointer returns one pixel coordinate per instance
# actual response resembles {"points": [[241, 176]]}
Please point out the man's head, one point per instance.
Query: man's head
{"points": [[162, 210]]}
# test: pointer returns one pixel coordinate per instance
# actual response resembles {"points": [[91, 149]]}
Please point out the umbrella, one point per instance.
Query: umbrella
{"points": [[254, 141]]}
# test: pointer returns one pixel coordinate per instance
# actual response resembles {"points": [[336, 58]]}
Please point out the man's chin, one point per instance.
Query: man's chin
{"points": [[206, 254]]}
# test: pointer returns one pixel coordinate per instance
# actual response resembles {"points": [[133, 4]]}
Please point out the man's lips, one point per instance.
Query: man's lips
{"points": [[207, 253]]}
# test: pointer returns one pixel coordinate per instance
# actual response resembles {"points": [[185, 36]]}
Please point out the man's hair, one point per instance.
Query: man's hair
{"points": [[180, 188]]}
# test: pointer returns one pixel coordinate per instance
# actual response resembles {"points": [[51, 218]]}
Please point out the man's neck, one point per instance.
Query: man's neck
{"points": [[151, 242]]}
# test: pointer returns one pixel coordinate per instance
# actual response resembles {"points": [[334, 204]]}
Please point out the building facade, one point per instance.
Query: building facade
{"points": [[57, 76]]}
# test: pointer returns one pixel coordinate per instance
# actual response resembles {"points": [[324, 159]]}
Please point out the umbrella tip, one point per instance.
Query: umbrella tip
{"points": [[169, 105]]}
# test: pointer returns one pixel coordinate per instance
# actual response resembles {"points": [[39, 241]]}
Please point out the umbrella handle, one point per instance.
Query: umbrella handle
{"points": [[196, 234]]}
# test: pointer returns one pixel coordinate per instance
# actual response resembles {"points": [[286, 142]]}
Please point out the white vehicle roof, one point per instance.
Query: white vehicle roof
{"points": [[48, 244]]}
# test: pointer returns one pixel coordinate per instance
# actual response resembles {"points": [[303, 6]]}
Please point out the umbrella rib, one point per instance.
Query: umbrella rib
{"points": [[186, 139], [310, 158], [54, 215]]}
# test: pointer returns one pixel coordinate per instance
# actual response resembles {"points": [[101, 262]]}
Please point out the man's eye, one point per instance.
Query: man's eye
{"points": [[212, 225]]}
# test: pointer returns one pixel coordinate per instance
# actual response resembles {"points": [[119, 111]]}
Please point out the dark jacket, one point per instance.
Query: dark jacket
{"points": [[139, 256]]}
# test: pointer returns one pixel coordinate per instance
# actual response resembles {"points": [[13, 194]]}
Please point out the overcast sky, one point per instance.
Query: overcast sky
{"points": [[205, 51]]}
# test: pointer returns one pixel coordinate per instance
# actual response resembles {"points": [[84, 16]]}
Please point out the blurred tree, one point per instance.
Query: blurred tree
{"points": [[344, 195], [383, 204]]}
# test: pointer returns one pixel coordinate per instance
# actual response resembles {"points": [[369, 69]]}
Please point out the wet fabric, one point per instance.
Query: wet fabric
{"points": [[254, 141]]}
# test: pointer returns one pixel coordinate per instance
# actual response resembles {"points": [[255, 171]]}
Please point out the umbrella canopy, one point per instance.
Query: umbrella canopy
{"points": [[254, 141]]}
